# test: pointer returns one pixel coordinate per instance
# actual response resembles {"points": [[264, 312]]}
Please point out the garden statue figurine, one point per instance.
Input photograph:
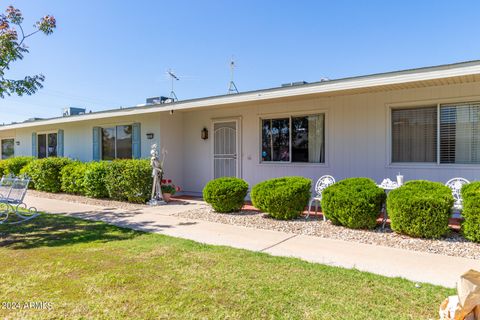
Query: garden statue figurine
{"points": [[157, 174]]}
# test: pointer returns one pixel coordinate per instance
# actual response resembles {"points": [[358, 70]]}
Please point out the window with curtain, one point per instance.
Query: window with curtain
{"points": [[46, 145], [8, 148], [117, 142], [294, 139], [414, 134], [459, 133]]}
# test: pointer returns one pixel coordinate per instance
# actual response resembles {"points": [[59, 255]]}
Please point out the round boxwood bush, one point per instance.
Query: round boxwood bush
{"points": [[129, 180], [420, 209], [14, 165], [73, 176], [282, 198], [225, 194], [46, 173], [354, 203], [94, 179], [471, 211]]}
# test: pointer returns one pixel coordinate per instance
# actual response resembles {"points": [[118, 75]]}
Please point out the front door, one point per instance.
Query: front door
{"points": [[225, 149]]}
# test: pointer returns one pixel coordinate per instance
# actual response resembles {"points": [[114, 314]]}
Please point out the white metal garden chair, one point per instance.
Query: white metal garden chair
{"points": [[5, 186], [456, 185], [12, 193], [321, 185]]}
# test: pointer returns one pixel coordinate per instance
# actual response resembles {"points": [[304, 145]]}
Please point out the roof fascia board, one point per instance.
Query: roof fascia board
{"points": [[276, 93]]}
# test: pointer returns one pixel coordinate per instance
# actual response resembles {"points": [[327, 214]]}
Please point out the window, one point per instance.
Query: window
{"points": [[459, 133], [414, 134], [8, 148], [47, 145], [294, 139], [117, 142]]}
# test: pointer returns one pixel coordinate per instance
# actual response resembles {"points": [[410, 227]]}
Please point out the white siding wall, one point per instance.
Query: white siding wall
{"points": [[171, 138], [78, 136], [357, 137]]}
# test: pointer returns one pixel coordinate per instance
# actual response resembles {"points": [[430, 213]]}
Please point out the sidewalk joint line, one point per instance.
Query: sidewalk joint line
{"points": [[280, 242]]}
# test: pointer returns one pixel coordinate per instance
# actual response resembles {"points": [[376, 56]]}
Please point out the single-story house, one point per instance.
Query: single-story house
{"points": [[423, 123]]}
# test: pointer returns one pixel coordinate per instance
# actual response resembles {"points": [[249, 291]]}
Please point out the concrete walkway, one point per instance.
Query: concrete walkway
{"points": [[392, 262]]}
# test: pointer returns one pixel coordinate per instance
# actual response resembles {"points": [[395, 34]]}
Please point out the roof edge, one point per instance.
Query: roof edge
{"points": [[343, 84]]}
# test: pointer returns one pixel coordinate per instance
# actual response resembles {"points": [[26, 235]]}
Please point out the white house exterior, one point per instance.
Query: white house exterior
{"points": [[423, 123]]}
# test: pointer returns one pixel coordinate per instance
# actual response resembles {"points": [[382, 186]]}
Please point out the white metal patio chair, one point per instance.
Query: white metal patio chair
{"points": [[5, 186], [456, 185], [322, 183], [12, 203]]}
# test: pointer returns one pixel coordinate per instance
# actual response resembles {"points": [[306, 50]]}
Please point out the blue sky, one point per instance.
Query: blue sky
{"points": [[106, 54]]}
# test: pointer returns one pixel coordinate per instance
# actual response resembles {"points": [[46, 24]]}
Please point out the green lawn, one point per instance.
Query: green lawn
{"points": [[94, 270]]}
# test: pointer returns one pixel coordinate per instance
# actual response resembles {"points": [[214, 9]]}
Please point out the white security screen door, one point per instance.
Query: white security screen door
{"points": [[225, 149]]}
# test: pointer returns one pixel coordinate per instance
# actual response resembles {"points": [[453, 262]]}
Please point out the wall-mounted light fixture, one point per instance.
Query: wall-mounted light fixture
{"points": [[204, 134], [150, 136], [17, 143]]}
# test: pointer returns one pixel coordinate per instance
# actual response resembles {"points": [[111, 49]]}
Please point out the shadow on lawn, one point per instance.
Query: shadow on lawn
{"points": [[55, 230]]}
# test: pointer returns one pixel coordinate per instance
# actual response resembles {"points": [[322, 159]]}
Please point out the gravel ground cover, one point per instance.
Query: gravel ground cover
{"points": [[452, 245]]}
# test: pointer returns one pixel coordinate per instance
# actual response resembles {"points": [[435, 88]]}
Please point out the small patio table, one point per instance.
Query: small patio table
{"points": [[387, 185]]}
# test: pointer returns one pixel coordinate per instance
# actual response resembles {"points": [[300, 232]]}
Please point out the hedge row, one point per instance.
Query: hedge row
{"points": [[124, 180], [14, 165], [418, 208]]}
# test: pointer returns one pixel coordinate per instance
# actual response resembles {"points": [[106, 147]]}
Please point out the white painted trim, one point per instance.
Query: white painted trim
{"points": [[432, 102], [114, 127], [280, 115], [407, 76], [1, 145], [438, 133], [46, 133], [419, 104]]}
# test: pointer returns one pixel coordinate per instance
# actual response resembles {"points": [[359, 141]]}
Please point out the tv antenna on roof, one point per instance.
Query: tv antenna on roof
{"points": [[173, 78], [232, 88]]}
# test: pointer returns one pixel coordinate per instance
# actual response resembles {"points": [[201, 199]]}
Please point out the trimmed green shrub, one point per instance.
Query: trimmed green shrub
{"points": [[420, 209], [73, 176], [354, 203], [25, 171], [94, 179], [2, 167], [15, 165], [471, 211], [225, 194], [282, 198], [129, 180], [45, 173]]}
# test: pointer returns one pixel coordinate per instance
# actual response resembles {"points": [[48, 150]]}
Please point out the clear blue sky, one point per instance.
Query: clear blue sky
{"points": [[106, 54]]}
